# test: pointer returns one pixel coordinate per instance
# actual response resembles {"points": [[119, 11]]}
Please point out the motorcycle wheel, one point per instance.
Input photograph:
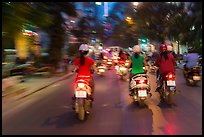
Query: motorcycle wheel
{"points": [[168, 99], [188, 83], [141, 103], [165, 97], [121, 77], [87, 105], [81, 111], [102, 74]]}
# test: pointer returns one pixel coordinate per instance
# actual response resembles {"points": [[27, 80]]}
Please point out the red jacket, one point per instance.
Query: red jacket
{"points": [[165, 66]]}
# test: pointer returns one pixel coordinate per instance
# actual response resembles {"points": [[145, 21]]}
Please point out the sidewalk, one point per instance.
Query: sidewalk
{"points": [[32, 85]]}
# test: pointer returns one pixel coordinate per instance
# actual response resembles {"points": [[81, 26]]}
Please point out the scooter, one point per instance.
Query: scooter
{"points": [[140, 89], [122, 70], [101, 69], [168, 87], [82, 100], [192, 75]]}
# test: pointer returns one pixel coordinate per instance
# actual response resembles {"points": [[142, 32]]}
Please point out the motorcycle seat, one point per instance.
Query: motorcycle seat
{"points": [[139, 75]]}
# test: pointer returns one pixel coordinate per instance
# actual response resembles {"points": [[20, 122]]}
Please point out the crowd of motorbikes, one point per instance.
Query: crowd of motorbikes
{"points": [[139, 85]]}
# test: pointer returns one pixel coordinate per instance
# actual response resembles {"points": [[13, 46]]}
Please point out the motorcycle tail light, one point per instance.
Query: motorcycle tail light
{"points": [[141, 81], [170, 76], [81, 85], [195, 70]]}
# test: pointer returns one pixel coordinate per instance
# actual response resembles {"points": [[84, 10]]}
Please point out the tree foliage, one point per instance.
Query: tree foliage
{"points": [[45, 15]]}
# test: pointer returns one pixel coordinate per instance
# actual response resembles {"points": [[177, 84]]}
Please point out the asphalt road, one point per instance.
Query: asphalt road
{"points": [[49, 111]]}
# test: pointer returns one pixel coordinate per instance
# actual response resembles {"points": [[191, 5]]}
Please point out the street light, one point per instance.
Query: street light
{"points": [[128, 18], [135, 3], [98, 3]]}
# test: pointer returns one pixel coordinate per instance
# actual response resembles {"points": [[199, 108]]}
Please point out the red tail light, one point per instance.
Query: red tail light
{"points": [[141, 81], [195, 70], [170, 76], [81, 85]]}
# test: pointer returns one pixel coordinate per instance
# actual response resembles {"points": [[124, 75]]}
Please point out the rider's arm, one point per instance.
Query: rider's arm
{"points": [[157, 61], [145, 64], [73, 68], [95, 68], [129, 64]]}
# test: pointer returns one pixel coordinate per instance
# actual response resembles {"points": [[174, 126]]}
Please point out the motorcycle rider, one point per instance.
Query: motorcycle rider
{"points": [[165, 62], [84, 64], [137, 61], [170, 49], [191, 59]]}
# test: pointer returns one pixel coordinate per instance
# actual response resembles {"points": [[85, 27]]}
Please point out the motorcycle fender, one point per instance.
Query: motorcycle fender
{"points": [[80, 101]]}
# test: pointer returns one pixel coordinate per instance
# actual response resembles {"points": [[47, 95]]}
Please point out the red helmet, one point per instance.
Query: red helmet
{"points": [[163, 47]]}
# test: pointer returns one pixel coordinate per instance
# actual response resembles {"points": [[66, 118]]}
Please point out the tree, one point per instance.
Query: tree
{"points": [[45, 15], [57, 29], [15, 14]]}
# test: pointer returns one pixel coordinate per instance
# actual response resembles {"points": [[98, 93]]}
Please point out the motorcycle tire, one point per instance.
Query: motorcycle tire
{"points": [[121, 77], [87, 105], [81, 110], [81, 113], [141, 103], [168, 99]]}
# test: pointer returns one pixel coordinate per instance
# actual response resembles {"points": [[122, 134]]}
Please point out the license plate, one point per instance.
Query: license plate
{"points": [[171, 83], [80, 94], [101, 70], [196, 77], [109, 63], [142, 93], [123, 69]]}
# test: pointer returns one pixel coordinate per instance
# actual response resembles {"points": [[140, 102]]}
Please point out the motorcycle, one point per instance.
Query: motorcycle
{"points": [[153, 68], [168, 86], [140, 89], [122, 70], [101, 69], [109, 63], [192, 75], [82, 100]]}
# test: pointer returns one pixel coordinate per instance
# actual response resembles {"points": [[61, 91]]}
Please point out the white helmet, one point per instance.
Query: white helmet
{"points": [[136, 49], [169, 48], [84, 47]]}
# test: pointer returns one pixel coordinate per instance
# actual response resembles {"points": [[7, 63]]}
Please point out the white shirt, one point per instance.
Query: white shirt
{"points": [[192, 59]]}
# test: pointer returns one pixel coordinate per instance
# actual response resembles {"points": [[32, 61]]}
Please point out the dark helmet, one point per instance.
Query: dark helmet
{"points": [[163, 47]]}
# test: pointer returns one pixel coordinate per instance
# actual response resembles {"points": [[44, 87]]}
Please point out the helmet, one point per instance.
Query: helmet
{"points": [[163, 47], [84, 47], [169, 48], [136, 49]]}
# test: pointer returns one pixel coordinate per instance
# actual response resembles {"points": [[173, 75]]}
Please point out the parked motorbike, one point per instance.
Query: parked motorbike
{"points": [[192, 75], [168, 87], [140, 88], [82, 100]]}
